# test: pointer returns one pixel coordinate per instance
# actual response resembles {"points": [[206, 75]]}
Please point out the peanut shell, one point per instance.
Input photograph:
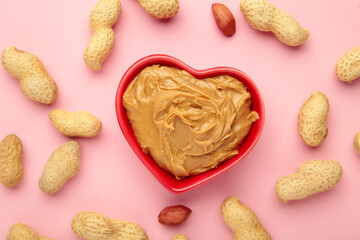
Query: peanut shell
{"points": [[179, 237], [311, 177], [242, 220], [161, 9], [11, 161], [357, 142], [102, 18], [348, 66], [63, 164], [312, 125], [95, 226], [20, 231], [264, 16], [75, 124], [34, 80]]}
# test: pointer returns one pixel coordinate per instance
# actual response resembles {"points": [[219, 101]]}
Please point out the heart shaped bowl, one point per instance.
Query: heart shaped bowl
{"points": [[165, 178]]}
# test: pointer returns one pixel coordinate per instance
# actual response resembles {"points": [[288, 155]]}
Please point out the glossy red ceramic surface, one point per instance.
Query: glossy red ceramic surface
{"points": [[165, 178]]}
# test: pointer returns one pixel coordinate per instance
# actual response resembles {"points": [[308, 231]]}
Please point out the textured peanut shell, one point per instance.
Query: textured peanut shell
{"points": [[312, 119], [102, 18], [75, 124], [20, 231], [264, 16], [357, 142], [95, 226], [242, 220], [179, 237], [311, 177], [348, 66], [11, 161], [34, 80], [63, 164], [160, 9]]}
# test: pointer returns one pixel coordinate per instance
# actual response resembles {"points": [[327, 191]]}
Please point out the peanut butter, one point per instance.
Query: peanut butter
{"points": [[188, 125]]}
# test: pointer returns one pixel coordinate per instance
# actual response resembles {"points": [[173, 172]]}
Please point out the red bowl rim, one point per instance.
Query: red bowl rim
{"points": [[165, 178]]}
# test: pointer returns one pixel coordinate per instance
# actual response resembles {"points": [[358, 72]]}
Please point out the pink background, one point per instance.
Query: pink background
{"points": [[114, 182]]}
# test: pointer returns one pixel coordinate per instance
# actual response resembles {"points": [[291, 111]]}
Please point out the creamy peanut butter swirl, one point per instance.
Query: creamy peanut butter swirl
{"points": [[188, 125]]}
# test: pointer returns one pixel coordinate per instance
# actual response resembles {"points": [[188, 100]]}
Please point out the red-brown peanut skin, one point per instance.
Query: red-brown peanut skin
{"points": [[174, 215], [224, 19]]}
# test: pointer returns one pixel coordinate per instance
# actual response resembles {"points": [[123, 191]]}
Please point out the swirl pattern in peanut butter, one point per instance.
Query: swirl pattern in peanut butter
{"points": [[188, 125]]}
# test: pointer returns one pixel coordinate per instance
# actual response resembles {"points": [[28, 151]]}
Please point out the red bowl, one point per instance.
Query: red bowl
{"points": [[165, 178]]}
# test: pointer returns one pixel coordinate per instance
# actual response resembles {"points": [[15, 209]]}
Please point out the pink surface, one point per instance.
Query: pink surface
{"points": [[114, 182]]}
